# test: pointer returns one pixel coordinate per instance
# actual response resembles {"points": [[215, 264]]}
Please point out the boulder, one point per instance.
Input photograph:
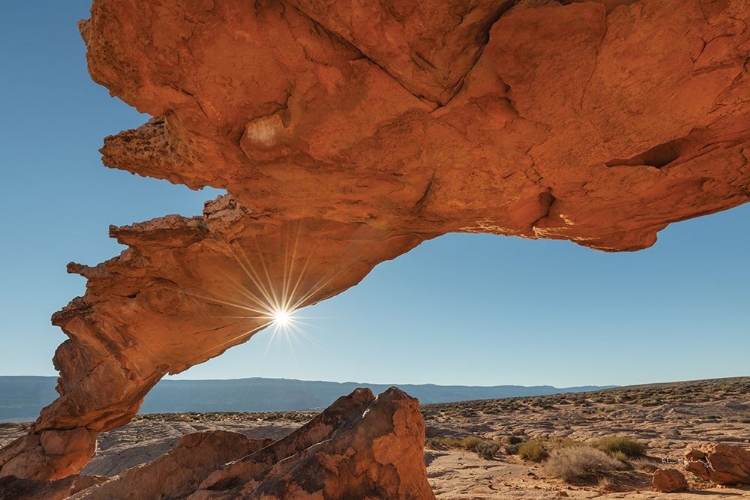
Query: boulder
{"points": [[719, 463], [669, 481], [360, 447]]}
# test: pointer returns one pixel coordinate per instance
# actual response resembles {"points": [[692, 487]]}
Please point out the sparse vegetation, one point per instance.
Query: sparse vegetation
{"points": [[580, 463], [620, 447], [485, 448], [532, 450], [290, 416]]}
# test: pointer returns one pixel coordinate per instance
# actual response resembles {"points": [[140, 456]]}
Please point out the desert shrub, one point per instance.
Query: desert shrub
{"points": [[620, 445], [620, 456], [511, 449], [487, 449], [580, 462], [532, 450], [513, 439], [483, 447], [558, 442], [445, 442], [470, 443]]}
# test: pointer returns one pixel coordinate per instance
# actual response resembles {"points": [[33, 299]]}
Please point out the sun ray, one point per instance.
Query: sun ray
{"points": [[270, 292]]}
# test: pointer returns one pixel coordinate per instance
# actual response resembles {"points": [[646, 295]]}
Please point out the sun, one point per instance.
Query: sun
{"points": [[282, 317]]}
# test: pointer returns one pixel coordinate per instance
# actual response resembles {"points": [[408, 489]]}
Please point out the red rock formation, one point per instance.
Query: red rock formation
{"points": [[719, 463], [669, 481], [13, 488], [359, 447], [179, 472], [347, 133]]}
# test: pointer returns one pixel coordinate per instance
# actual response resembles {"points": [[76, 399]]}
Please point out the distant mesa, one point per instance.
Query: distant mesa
{"points": [[21, 398], [347, 133]]}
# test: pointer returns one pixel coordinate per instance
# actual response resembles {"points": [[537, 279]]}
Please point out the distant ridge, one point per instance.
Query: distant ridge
{"points": [[262, 394], [21, 398]]}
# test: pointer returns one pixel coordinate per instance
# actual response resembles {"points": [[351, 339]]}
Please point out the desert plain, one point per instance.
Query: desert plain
{"points": [[666, 419]]}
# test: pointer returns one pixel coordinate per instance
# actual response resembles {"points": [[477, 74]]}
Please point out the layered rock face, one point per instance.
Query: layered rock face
{"points": [[348, 132], [719, 463]]}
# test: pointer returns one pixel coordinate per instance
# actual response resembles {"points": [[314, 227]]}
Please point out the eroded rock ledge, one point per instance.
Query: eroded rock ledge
{"points": [[347, 133], [359, 447]]}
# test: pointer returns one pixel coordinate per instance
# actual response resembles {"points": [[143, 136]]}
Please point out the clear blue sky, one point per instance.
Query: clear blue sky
{"points": [[462, 309]]}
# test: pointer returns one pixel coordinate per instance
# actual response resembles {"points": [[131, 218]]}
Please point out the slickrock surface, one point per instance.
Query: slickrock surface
{"points": [[180, 471], [14, 488], [348, 132]]}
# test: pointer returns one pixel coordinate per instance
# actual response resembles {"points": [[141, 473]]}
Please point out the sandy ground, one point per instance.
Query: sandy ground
{"points": [[667, 419]]}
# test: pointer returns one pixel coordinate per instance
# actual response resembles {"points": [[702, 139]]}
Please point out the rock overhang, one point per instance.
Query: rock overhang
{"points": [[347, 134]]}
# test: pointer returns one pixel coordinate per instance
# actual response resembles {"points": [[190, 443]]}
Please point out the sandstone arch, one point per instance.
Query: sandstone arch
{"points": [[346, 135]]}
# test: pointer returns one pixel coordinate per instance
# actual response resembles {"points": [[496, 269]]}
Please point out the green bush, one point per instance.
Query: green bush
{"points": [[532, 450], [620, 445]]}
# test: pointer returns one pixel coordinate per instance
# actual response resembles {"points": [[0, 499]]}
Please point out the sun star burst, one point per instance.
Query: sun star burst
{"points": [[282, 317]]}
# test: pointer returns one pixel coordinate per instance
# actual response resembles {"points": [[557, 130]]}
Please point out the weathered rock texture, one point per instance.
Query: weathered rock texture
{"points": [[348, 132], [719, 463], [669, 481], [180, 471], [14, 488], [359, 447]]}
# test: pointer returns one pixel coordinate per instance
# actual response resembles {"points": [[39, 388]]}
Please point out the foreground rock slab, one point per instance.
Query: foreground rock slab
{"points": [[359, 447], [13, 488], [178, 472], [720, 463], [347, 133]]}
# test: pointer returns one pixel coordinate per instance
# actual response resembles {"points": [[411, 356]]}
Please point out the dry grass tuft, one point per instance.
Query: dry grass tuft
{"points": [[485, 448], [580, 463], [620, 446], [532, 450]]}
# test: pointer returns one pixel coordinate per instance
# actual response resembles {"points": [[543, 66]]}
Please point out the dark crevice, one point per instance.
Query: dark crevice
{"points": [[658, 156], [609, 5], [427, 189], [546, 200], [483, 38], [422, 62]]}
